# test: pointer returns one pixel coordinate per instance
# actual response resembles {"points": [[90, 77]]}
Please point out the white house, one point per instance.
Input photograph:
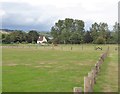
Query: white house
{"points": [[41, 40]]}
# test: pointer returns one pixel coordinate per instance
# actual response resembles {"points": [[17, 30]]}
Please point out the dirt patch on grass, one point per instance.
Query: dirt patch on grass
{"points": [[42, 66], [38, 66], [82, 64], [110, 55], [107, 88], [85, 63], [42, 63], [53, 71], [27, 64], [47, 66], [12, 64]]}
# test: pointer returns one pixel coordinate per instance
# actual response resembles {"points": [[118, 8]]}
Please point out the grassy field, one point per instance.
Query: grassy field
{"points": [[46, 69], [108, 77]]}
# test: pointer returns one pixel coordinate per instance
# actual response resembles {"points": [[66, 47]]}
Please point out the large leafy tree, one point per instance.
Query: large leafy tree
{"points": [[94, 31], [68, 31], [88, 38], [32, 36], [18, 36], [103, 31], [115, 33], [100, 31], [6, 38]]}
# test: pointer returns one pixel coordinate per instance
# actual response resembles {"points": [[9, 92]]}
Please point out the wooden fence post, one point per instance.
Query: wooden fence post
{"points": [[90, 80], [100, 60], [77, 90], [102, 57], [90, 75], [98, 64], [96, 68], [87, 85], [94, 75]]}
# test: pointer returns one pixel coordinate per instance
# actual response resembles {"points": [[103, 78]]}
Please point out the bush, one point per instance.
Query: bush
{"points": [[100, 40], [33, 42], [24, 42], [17, 42]]}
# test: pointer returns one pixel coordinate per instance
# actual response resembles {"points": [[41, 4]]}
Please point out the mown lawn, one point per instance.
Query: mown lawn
{"points": [[59, 69], [107, 80]]}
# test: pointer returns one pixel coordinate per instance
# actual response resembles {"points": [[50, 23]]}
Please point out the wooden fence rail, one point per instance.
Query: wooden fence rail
{"points": [[90, 79]]}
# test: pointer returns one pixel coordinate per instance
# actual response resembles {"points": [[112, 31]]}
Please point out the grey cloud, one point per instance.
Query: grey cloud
{"points": [[25, 16], [18, 13]]}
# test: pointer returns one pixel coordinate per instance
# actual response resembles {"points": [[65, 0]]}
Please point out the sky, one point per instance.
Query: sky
{"points": [[41, 15]]}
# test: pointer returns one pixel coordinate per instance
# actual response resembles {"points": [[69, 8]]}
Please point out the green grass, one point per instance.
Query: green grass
{"points": [[48, 69], [107, 80]]}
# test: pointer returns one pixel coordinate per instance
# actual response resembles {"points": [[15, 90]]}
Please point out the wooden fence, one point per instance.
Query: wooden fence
{"points": [[90, 79]]}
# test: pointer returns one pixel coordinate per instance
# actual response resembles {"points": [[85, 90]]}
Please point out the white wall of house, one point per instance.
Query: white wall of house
{"points": [[39, 42], [44, 40]]}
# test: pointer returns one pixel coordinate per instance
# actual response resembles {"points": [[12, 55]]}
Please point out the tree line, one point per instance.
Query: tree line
{"points": [[19, 36], [68, 31]]}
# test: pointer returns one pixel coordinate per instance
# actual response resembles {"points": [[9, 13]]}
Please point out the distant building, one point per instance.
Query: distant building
{"points": [[41, 40]]}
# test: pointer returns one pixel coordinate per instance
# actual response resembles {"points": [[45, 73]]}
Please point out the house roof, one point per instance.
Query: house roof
{"points": [[40, 38]]}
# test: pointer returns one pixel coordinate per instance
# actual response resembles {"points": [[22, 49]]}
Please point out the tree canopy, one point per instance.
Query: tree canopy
{"points": [[68, 31], [72, 31]]}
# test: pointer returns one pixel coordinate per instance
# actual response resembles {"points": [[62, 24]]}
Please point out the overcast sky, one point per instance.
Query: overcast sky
{"points": [[42, 14]]}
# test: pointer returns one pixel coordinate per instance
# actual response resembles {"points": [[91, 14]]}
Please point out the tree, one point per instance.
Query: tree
{"points": [[64, 31], [18, 36], [3, 38], [87, 37], [94, 31], [115, 32], [100, 30], [32, 36], [75, 38], [103, 31], [7, 39], [100, 40]]}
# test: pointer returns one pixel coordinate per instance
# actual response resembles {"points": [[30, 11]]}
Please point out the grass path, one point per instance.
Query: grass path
{"points": [[107, 80]]}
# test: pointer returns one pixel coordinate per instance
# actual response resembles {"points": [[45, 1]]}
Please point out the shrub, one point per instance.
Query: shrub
{"points": [[100, 40]]}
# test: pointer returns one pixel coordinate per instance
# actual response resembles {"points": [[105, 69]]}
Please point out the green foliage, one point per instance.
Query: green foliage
{"points": [[20, 37], [14, 37], [72, 31], [33, 42], [68, 31], [75, 38], [88, 38], [32, 36], [94, 31], [17, 42], [100, 40]]}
